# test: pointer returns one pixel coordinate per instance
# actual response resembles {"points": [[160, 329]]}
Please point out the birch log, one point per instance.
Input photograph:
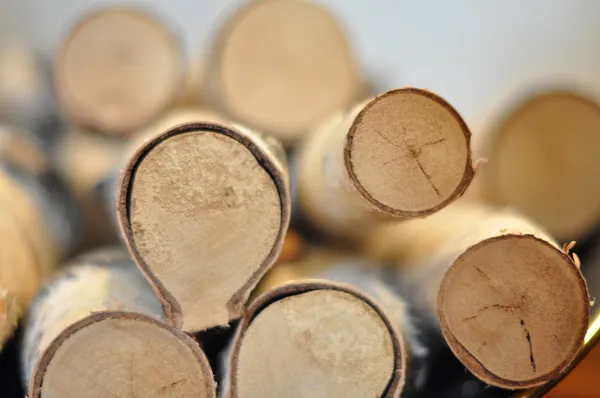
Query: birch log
{"points": [[203, 209], [512, 305], [117, 70], [269, 71], [419, 338], [543, 161], [38, 225], [331, 340], [403, 154], [98, 329]]}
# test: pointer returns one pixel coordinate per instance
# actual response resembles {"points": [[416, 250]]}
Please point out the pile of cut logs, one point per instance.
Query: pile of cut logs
{"points": [[406, 235]]}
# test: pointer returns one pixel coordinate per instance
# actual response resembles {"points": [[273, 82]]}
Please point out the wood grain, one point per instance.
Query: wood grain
{"points": [[331, 340], [512, 305], [403, 154], [98, 329], [204, 208]]}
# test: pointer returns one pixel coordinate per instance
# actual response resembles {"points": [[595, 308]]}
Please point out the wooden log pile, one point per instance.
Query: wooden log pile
{"points": [[268, 207]]}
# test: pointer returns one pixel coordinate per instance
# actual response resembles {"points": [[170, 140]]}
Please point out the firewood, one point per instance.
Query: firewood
{"points": [[270, 71], [541, 160], [512, 304], [117, 70], [403, 154], [204, 208], [98, 329]]}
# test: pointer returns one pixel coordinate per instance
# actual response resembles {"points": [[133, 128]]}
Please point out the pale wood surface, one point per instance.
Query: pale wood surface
{"points": [[403, 154], [269, 71], [543, 161], [512, 304], [99, 329], [117, 69], [316, 339], [204, 212]]}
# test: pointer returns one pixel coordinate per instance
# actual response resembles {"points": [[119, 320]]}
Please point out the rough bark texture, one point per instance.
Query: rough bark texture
{"points": [[403, 154], [103, 286], [266, 155]]}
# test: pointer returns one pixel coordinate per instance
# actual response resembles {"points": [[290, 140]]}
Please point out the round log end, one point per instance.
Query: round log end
{"points": [[329, 341], [204, 211], [123, 354], [514, 310], [277, 75], [542, 160], [408, 153], [117, 69]]}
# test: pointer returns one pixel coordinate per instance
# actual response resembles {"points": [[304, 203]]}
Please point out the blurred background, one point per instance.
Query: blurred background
{"points": [[475, 54], [478, 55]]}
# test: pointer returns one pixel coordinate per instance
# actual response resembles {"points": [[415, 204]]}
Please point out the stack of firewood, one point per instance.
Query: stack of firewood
{"points": [[406, 234]]}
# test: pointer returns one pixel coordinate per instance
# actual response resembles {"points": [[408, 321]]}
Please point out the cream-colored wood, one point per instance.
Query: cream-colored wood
{"points": [[117, 70], [99, 329], [403, 154], [317, 344], [269, 71], [205, 217], [542, 160]]}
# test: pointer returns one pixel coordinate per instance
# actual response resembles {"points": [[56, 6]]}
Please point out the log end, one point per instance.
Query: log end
{"points": [[408, 153], [204, 212], [295, 76], [514, 309], [543, 161], [318, 338], [117, 69], [123, 354]]}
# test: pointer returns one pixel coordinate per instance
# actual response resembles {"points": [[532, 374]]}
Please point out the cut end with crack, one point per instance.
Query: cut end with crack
{"points": [[295, 77], [408, 153], [514, 310], [316, 342], [204, 211], [117, 69], [123, 355], [543, 160]]}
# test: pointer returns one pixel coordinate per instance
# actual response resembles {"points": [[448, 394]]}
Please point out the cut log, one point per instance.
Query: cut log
{"points": [[84, 159], [269, 71], [98, 330], [511, 304], [331, 341], [543, 161], [38, 226], [403, 154], [419, 337], [117, 70], [204, 208]]}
